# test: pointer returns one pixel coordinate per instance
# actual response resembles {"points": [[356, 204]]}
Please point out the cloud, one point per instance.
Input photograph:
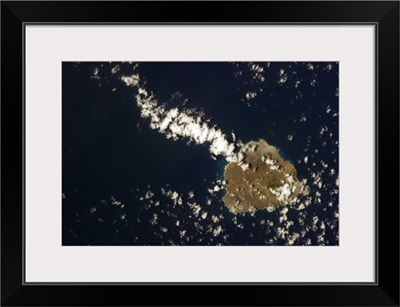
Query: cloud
{"points": [[132, 80], [177, 123]]}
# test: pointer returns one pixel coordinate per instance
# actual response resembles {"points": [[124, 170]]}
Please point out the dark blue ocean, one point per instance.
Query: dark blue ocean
{"points": [[125, 183]]}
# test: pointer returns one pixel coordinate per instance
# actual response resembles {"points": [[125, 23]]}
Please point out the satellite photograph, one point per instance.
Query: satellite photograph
{"points": [[200, 153]]}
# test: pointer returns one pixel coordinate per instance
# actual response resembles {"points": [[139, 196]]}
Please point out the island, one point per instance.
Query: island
{"points": [[261, 179]]}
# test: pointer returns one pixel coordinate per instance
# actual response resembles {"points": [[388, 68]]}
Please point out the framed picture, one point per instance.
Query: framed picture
{"points": [[253, 149]]}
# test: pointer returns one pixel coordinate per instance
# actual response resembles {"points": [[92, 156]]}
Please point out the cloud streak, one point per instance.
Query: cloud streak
{"points": [[176, 124]]}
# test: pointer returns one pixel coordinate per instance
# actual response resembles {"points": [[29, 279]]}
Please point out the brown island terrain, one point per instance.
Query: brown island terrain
{"points": [[261, 179]]}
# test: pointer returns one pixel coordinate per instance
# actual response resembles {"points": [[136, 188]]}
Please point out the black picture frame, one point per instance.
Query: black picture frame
{"points": [[383, 14]]}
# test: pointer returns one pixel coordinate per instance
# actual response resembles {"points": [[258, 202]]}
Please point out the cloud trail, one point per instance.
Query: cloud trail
{"points": [[176, 124]]}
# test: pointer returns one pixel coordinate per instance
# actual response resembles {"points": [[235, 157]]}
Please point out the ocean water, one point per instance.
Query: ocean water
{"points": [[126, 182]]}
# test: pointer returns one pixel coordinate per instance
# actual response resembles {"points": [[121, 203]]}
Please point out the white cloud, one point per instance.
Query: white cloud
{"points": [[132, 80], [176, 124], [154, 219], [96, 73], [115, 202], [115, 69], [217, 231], [251, 95], [174, 196]]}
